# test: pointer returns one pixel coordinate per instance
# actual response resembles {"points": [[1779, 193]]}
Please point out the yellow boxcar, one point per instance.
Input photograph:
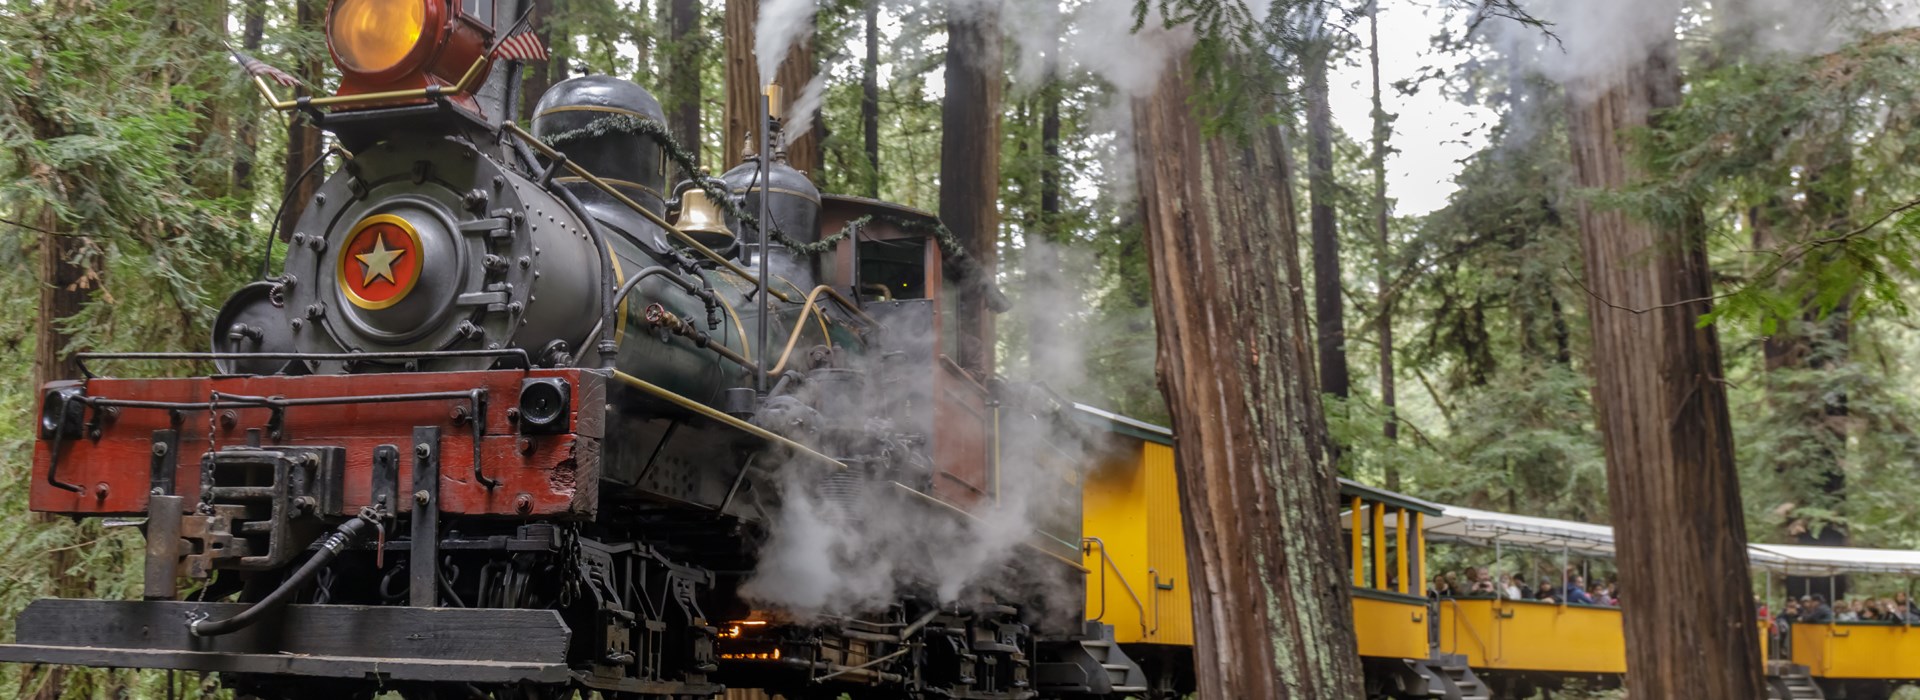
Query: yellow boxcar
{"points": [[1519, 635]]}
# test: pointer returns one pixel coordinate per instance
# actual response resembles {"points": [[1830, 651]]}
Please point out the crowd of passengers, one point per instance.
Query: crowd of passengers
{"points": [[1478, 582], [1814, 608]]}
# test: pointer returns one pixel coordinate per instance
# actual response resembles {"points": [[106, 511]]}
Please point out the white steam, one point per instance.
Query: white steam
{"points": [[782, 24], [805, 106], [843, 551]]}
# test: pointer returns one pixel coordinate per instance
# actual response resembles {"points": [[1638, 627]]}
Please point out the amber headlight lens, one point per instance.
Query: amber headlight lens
{"points": [[371, 36]]}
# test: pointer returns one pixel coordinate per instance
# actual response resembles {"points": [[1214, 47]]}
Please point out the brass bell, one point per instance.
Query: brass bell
{"points": [[701, 218]]}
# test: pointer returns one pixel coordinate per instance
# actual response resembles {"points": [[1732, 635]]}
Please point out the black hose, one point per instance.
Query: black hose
{"points": [[348, 534]]}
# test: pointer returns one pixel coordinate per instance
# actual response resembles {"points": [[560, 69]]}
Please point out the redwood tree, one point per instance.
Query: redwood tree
{"points": [[1257, 489], [744, 88], [1658, 387], [970, 158]]}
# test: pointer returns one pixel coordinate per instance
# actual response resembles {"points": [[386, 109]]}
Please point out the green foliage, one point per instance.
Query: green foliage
{"points": [[114, 120]]}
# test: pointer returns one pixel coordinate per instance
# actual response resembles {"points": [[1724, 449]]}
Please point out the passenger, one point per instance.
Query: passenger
{"points": [[1821, 613], [1545, 593], [1849, 612], [1481, 583], [1577, 591], [1602, 593], [1510, 587], [1440, 588]]}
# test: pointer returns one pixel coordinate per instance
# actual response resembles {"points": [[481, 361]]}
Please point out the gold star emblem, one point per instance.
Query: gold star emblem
{"points": [[378, 263]]}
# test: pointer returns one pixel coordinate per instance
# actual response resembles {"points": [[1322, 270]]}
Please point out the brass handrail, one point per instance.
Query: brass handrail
{"points": [[800, 324], [715, 414], [1104, 557], [609, 190], [372, 98]]}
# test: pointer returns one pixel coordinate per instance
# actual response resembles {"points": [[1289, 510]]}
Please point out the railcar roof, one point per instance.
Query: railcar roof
{"points": [[1125, 426]]}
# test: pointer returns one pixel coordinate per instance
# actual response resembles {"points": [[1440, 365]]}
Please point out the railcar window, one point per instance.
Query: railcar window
{"points": [[893, 269]]}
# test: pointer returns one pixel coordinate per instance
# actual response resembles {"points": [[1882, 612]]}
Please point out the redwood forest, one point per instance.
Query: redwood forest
{"points": [[1645, 269]]}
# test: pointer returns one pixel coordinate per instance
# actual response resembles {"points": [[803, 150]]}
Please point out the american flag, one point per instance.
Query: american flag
{"points": [[524, 46], [260, 68]]}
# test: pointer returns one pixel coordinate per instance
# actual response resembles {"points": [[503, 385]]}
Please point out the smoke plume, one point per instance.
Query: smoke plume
{"points": [[782, 24]]}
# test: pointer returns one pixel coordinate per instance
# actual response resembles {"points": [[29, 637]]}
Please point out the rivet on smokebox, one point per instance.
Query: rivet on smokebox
{"points": [[524, 504], [526, 446], [100, 491]]}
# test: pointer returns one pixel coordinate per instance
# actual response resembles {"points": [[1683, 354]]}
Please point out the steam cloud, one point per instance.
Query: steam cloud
{"points": [[782, 24], [835, 550]]}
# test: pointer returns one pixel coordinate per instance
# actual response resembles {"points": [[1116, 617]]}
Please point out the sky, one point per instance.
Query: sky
{"points": [[1429, 128]]}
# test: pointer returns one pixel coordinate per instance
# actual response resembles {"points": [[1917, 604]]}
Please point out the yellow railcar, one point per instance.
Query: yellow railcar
{"points": [[1135, 553], [1416, 647]]}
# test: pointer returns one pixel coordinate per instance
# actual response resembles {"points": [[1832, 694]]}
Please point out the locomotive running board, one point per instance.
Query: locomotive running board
{"points": [[335, 641]]}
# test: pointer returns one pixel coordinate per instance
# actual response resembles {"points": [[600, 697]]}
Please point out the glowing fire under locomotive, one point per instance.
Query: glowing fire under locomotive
{"points": [[498, 428]]}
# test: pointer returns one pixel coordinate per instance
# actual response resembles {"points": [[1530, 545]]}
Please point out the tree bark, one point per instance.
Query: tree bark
{"points": [[541, 75], [870, 99], [1044, 276], [303, 139], [253, 31], [1382, 129], [744, 90], [1658, 388], [684, 56], [1328, 302], [970, 160], [64, 290], [1272, 614]]}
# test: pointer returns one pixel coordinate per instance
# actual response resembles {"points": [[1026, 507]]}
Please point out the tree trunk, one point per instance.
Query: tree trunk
{"points": [[1672, 486], [1382, 129], [1328, 302], [64, 290], [744, 90], [253, 31], [541, 75], [1272, 615], [303, 140], [870, 99], [684, 56], [1045, 290], [970, 161]]}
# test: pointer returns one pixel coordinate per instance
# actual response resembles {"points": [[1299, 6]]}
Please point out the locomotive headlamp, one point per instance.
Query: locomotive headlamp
{"points": [[388, 51], [544, 404], [371, 37]]}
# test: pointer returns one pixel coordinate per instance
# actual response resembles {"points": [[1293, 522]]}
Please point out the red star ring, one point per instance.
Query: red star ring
{"points": [[380, 262]]}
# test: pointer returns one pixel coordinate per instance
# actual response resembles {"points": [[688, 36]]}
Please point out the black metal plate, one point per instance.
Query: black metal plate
{"points": [[534, 637]]}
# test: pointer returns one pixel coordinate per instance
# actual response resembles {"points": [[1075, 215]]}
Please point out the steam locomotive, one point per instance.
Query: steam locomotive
{"points": [[517, 419]]}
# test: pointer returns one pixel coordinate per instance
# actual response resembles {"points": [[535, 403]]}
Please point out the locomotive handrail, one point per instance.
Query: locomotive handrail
{"points": [[610, 191], [82, 357], [715, 414], [1108, 559], [800, 324], [372, 98]]}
